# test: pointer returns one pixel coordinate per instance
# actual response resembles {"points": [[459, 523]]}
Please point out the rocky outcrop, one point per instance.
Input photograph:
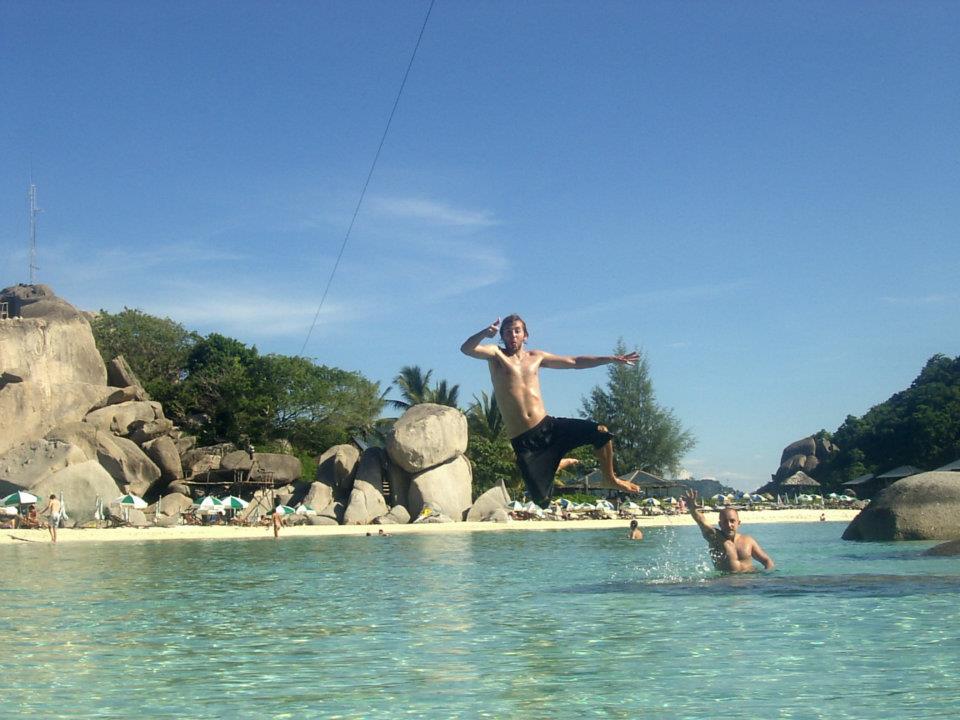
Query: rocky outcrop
{"points": [[366, 504], [493, 500], [426, 436], [447, 486], [26, 465], [919, 507], [805, 455], [81, 485], [335, 468]]}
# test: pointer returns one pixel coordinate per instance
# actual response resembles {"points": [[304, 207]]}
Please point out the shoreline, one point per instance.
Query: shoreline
{"points": [[265, 532]]}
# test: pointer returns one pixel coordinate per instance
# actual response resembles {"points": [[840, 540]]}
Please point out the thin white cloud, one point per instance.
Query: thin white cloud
{"points": [[432, 211]]}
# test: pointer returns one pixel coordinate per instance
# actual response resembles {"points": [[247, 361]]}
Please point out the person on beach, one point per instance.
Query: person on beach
{"points": [[277, 521], [731, 551], [635, 532], [53, 509], [31, 520], [539, 440]]}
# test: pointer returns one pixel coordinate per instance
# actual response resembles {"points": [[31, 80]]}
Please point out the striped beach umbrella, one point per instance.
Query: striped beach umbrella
{"points": [[210, 504], [232, 502], [20, 498], [130, 501], [284, 510]]}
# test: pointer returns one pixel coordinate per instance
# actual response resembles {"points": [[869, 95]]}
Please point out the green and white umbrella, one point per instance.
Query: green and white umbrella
{"points": [[130, 501], [303, 509], [232, 502], [210, 504], [20, 498], [284, 510]]}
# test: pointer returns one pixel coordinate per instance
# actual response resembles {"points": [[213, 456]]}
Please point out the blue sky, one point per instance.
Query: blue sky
{"points": [[762, 197]]}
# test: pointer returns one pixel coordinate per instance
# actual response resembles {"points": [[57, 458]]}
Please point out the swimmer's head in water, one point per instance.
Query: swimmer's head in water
{"points": [[633, 524], [729, 522], [513, 332]]}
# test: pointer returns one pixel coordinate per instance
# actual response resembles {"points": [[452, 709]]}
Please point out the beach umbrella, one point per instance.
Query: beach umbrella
{"points": [[232, 502], [305, 510], [20, 498], [631, 505], [515, 505], [130, 501], [604, 505], [210, 504], [718, 498], [284, 510], [670, 500], [757, 498], [567, 504], [651, 501]]}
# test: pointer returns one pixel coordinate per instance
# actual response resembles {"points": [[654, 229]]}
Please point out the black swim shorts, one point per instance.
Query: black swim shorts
{"points": [[540, 449]]}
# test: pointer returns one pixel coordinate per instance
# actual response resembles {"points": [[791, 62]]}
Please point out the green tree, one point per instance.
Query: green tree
{"points": [[483, 417], [414, 387], [315, 406], [919, 426], [648, 436], [155, 348]]}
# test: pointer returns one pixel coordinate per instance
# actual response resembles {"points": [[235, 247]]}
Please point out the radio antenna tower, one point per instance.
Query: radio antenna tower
{"points": [[34, 211]]}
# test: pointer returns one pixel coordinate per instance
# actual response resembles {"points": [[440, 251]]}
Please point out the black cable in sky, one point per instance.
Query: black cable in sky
{"points": [[363, 191]]}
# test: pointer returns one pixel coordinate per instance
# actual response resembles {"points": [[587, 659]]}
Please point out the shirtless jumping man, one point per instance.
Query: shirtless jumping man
{"points": [[539, 440], [730, 551]]}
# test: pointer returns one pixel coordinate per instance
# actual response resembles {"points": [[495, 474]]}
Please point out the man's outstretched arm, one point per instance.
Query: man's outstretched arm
{"points": [[582, 362], [691, 497], [473, 345]]}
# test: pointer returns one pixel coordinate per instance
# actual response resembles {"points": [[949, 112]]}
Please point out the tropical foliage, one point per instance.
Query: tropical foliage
{"points": [[414, 387], [223, 390], [919, 426]]}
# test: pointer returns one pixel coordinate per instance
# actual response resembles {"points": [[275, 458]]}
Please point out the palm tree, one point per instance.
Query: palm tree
{"points": [[442, 395], [414, 387], [484, 417]]}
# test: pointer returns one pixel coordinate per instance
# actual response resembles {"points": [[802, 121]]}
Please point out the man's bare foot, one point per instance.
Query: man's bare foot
{"points": [[567, 462], [627, 485]]}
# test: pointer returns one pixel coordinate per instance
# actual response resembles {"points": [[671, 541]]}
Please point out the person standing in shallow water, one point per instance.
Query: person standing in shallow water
{"points": [[539, 440], [731, 551], [635, 532]]}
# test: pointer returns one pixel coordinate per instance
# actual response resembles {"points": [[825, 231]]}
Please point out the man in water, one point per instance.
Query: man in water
{"points": [[539, 440], [730, 551], [635, 532]]}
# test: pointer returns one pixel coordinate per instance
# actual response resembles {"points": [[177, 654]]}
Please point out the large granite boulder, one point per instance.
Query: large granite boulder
{"points": [[398, 515], [427, 435], [318, 496], [496, 498], [119, 418], [283, 468], [28, 409], [335, 468], [81, 485], [237, 460], [22, 467], [365, 505], [446, 486], [120, 374], [163, 452], [805, 455], [199, 461], [921, 507], [123, 459]]}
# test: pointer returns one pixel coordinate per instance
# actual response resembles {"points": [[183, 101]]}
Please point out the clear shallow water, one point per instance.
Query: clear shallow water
{"points": [[565, 624]]}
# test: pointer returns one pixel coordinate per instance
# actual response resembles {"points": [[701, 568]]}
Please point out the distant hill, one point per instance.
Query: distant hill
{"points": [[919, 426]]}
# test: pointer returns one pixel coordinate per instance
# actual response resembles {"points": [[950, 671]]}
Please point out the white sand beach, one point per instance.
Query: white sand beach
{"points": [[226, 532]]}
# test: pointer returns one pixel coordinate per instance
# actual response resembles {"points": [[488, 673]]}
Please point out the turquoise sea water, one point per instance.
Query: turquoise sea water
{"points": [[555, 624]]}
